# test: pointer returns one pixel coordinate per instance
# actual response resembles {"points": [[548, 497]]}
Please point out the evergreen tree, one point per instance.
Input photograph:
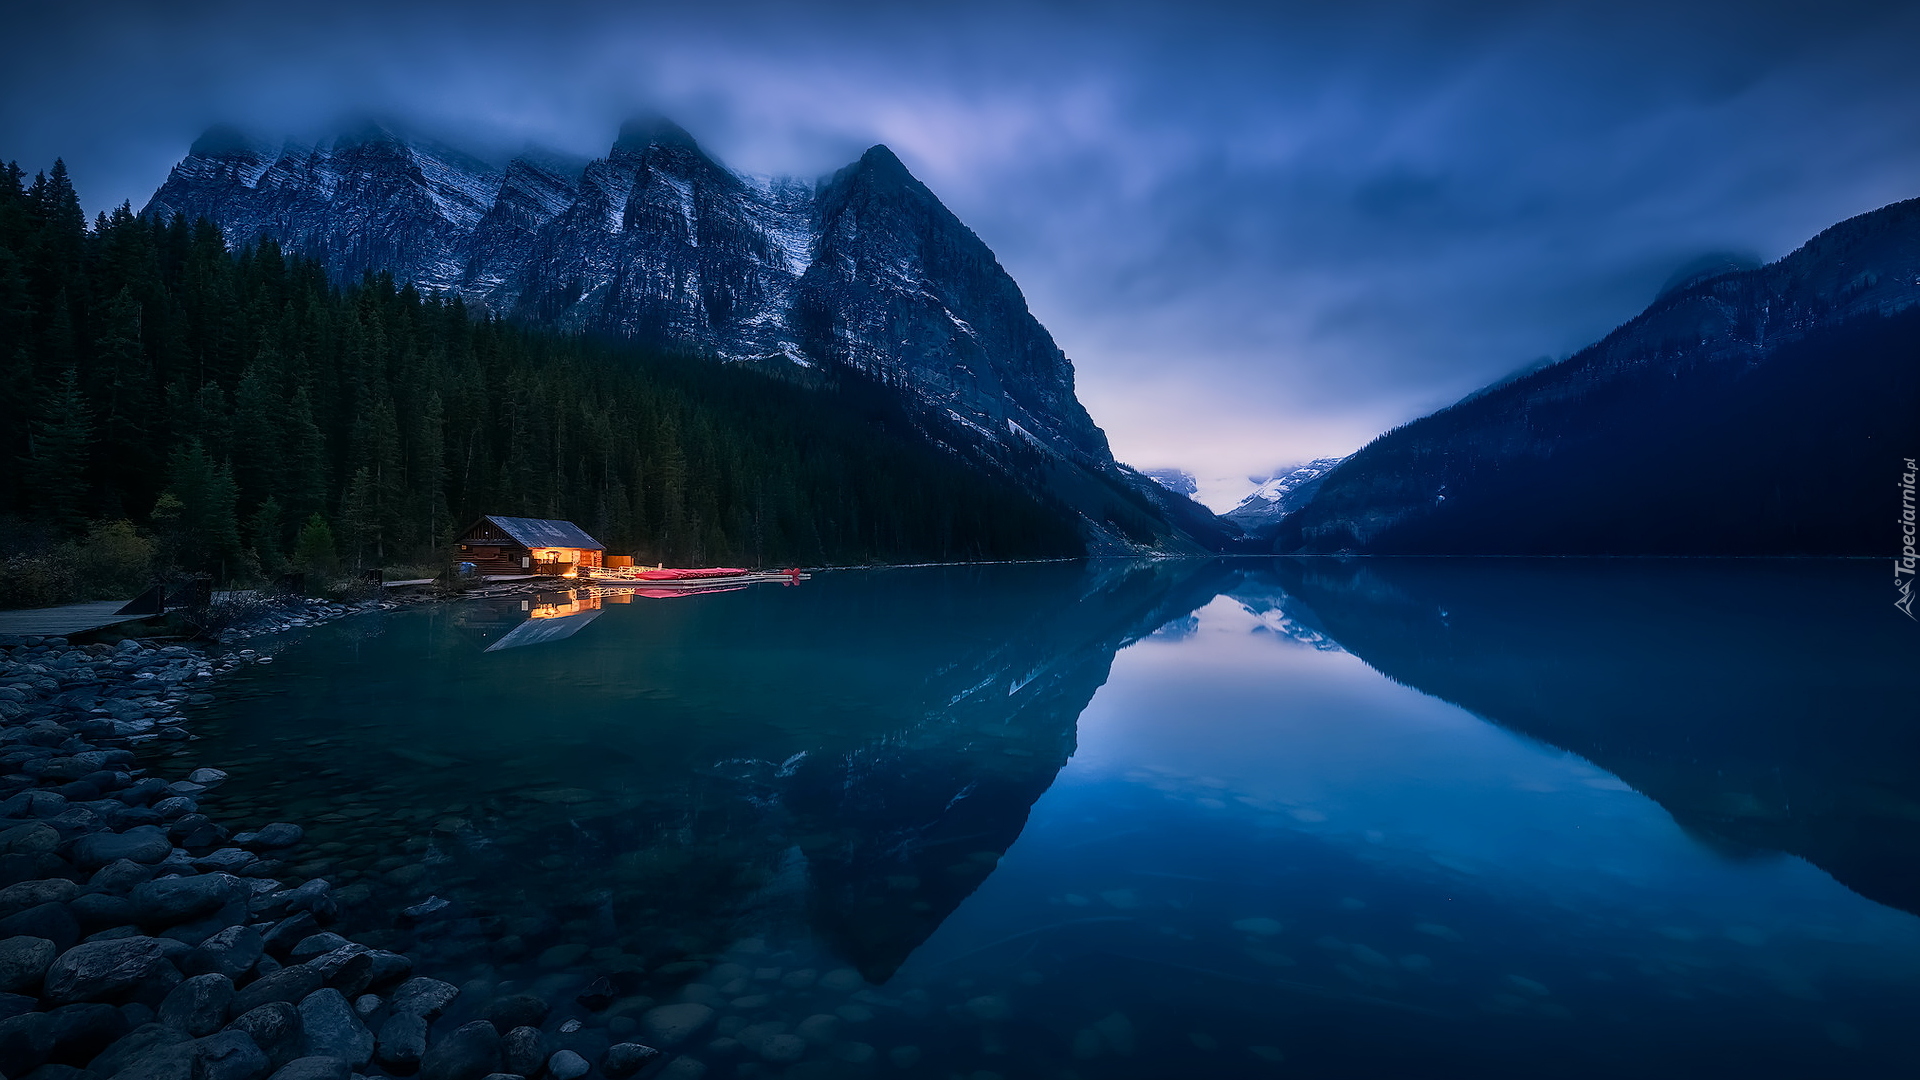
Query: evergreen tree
{"points": [[360, 521], [205, 534], [124, 388], [56, 465], [314, 552], [263, 535]]}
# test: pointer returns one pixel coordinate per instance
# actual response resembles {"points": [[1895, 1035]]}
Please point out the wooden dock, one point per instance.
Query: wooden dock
{"points": [[67, 619]]}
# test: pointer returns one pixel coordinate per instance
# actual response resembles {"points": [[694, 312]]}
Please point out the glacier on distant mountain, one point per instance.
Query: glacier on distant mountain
{"points": [[1287, 490]]}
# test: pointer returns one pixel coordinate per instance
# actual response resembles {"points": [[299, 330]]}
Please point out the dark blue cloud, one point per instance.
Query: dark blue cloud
{"points": [[1264, 232]]}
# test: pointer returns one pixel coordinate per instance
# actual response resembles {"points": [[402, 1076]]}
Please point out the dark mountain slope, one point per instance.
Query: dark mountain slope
{"points": [[1758, 412]]}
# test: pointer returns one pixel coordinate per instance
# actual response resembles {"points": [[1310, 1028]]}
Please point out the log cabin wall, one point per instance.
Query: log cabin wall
{"points": [[492, 551]]}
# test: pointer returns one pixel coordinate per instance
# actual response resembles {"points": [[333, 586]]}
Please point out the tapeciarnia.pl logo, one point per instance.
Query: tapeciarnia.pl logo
{"points": [[1903, 566]]}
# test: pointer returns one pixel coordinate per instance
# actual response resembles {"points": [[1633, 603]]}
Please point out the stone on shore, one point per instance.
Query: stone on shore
{"points": [[275, 1028], [424, 997], [288, 984], [169, 901], [332, 1030], [28, 894], [567, 1065], [25, 1042], [525, 1050], [469, 1052], [51, 921], [98, 970], [140, 844], [199, 1005], [402, 1042], [23, 963], [231, 952], [313, 1068]]}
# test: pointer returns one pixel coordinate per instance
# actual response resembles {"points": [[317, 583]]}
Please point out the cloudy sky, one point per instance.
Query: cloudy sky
{"points": [[1264, 233]]}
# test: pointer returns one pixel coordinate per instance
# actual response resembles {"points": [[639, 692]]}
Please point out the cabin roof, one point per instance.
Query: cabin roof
{"points": [[544, 532]]}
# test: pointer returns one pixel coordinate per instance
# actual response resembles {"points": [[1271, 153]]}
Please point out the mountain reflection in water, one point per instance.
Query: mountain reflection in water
{"points": [[1142, 818], [1769, 707]]}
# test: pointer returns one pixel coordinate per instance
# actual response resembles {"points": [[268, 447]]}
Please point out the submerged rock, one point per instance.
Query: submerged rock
{"points": [[670, 1025], [622, 1060]]}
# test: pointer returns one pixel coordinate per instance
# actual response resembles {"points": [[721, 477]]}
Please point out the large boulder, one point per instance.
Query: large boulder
{"points": [[19, 897], [525, 1050], [23, 963], [33, 838], [199, 1005], [103, 970], [51, 921], [231, 952], [402, 1042], [313, 1068], [331, 1029], [468, 1052], [230, 1055], [25, 1042], [275, 1029], [424, 997], [289, 984], [173, 900], [146, 844], [81, 1032]]}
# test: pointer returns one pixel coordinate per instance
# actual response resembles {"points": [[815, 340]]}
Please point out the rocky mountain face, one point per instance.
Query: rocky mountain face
{"points": [[863, 274], [1281, 494], [1755, 412]]}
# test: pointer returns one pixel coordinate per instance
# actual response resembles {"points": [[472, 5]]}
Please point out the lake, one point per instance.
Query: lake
{"points": [[1165, 818]]}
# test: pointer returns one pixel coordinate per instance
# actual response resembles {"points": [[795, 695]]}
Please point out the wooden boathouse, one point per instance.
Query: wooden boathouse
{"points": [[513, 547]]}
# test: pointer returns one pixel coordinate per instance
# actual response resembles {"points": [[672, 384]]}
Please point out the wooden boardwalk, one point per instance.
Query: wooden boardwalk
{"points": [[67, 619]]}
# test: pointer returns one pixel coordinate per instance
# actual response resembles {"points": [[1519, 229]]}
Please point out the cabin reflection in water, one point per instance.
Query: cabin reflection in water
{"points": [[550, 616]]}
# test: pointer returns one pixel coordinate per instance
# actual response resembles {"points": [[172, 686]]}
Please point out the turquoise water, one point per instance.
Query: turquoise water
{"points": [[1175, 818]]}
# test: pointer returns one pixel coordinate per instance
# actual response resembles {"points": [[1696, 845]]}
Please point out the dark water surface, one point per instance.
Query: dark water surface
{"points": [[1181, 818]]}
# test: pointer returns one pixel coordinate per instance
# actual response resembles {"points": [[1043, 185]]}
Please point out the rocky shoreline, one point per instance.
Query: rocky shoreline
{"points": [[142, 940]]}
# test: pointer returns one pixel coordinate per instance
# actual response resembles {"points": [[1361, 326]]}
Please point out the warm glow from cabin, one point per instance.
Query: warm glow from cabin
{"points": [[561, 605]]}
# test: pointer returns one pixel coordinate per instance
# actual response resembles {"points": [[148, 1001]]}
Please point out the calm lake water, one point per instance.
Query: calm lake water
{"points": [[1179, 818]]}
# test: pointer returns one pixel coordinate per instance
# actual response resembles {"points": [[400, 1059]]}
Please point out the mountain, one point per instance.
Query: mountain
{"points": [[1760, 411], [1281, 494], [1178, 481], [862, 274]]}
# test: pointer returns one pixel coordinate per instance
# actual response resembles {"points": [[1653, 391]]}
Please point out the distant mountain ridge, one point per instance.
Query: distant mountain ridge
{"points": [[1281, 494], [864, 271], [1754, 412]]}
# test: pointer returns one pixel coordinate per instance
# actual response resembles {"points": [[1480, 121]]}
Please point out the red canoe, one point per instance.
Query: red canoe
{"points": [[692, 575]]}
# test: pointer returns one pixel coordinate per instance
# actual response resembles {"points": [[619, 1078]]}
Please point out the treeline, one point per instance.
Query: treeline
{"points": [[249, 417]]}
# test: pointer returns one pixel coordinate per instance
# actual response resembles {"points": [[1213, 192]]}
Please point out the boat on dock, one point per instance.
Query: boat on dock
{"points": [[673, 579]]}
